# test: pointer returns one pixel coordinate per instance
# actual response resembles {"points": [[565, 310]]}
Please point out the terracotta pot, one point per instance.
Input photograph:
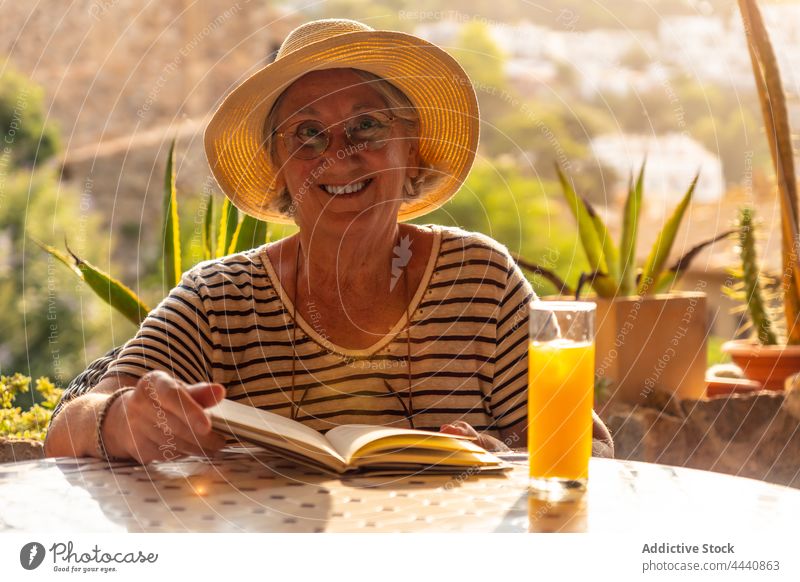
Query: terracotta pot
{"points": [[730, 386], [650, 344], [769, 365]]}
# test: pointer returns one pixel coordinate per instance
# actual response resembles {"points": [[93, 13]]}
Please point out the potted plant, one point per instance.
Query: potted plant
{"points": [[650, 337], [773, 353], [765, 357]]}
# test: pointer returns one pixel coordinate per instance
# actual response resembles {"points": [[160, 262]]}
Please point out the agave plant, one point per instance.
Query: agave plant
{"points": [[776, 124], [613, 270], [233, 235]]}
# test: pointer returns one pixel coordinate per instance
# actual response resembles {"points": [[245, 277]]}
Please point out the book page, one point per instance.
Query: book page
{"points": [[348, 439], [275, 429], [428, 458]]}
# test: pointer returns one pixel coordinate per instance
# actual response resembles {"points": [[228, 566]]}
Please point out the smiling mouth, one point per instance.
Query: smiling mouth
{"points": [[346, 190]]}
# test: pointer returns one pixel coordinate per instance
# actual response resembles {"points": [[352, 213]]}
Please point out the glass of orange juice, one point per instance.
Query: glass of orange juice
{"points": [[560, 394]]}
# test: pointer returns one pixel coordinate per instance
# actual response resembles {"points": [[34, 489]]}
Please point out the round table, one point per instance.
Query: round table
{"points": [[248, 490]]}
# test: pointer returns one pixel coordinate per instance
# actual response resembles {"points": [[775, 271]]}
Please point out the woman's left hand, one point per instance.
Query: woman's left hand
{"points": [[485, 441]]}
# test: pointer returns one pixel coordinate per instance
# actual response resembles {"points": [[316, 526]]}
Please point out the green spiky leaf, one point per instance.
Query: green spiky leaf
{"points": [[775, 113], [208, 234], [250, 233], [172, 235], [676, 271], [630, 228], [115, 293], [610, 252], [663, 245], [587, 232], [545, 273], [58, 255], [228, 223]]}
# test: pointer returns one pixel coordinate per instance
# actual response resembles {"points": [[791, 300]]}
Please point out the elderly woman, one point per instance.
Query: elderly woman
{"points": [[357, 318]]}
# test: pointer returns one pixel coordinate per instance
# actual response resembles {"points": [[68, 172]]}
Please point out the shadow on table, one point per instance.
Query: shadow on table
{"points": [[418, 480], [256, 492], [541, 514], [232, 492]]}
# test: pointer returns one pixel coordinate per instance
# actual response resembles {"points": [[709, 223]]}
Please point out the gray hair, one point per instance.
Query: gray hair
{"points": [[400, 105]]}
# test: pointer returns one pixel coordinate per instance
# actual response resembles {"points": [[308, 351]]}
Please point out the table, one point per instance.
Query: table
{"points": [[247, 490]]}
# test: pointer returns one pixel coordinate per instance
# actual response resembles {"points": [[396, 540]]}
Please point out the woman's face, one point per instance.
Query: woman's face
{"points": [[333, 96]]}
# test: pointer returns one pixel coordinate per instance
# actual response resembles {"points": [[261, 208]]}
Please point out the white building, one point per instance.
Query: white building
{"points": [[529, 75], [599, 47], [523, 40], [443, 32], [710, 49], [672, 161], [535, 53]]}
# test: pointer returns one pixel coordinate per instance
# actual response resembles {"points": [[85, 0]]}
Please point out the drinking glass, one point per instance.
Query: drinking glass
{"points": [[560, 394]]}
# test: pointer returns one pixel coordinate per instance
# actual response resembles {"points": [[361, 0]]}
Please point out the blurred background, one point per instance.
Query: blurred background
{"points": [[93, 91]]}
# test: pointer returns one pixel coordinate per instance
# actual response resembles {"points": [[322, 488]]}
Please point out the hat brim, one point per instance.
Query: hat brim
{"points": [[432, 79]]}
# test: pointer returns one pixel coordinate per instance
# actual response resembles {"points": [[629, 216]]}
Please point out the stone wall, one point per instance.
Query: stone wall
{"points": [[14, 450], [755, 435]]}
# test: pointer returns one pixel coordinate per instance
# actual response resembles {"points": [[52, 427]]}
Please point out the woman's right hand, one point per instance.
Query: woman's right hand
{"points": [[162, 419]]}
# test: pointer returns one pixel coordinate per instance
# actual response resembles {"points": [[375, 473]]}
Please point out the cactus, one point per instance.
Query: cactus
{"points": [[756, 303]]}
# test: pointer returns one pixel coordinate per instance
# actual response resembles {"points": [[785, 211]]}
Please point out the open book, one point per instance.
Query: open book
{"points": [[353, 447]]}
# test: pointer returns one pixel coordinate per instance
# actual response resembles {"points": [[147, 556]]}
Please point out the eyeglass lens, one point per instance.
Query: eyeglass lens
{"points": [[310, 138]]}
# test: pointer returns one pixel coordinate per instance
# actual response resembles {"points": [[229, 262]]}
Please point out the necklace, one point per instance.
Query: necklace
{"points": [[408, 408]]}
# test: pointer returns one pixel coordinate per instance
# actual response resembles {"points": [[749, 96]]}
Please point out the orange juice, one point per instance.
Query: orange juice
{"points": [[560, 396]]}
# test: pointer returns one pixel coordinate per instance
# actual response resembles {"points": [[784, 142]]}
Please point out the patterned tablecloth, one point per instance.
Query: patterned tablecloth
{"points": [[244, 490]]}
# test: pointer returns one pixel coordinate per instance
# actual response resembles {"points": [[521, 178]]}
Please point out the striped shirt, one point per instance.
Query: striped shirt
{"points": [[229, 321]]}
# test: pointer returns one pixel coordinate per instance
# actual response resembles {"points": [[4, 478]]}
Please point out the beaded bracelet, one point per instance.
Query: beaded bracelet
{"points": [[101, 447]]}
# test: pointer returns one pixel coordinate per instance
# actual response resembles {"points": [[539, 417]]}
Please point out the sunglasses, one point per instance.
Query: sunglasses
{"points": [[310, 138]]}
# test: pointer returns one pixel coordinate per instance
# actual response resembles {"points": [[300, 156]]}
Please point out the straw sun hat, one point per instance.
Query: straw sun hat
{"points": [[434, 82]]}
